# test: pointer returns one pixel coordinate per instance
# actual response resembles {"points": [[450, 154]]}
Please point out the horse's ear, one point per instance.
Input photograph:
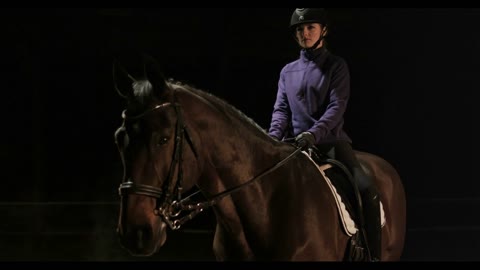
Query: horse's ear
{"points": [[153, 73], [122, 80]]}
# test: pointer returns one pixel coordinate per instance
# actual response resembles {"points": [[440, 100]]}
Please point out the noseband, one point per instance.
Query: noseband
{"points": [[167, 207]]}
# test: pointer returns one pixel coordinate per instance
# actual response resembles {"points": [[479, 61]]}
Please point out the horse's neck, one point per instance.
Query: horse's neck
{"points": [[245, 176], [235, 160], [232, 148]]}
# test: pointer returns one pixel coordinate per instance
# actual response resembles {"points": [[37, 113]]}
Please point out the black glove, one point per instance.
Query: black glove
{"points": [[305, 140]]}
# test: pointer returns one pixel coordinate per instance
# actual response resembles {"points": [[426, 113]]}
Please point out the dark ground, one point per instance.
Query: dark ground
{"points": [[441, 230]]}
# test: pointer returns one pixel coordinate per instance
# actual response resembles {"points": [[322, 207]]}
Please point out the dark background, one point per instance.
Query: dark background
{"points": [[414, 74]]}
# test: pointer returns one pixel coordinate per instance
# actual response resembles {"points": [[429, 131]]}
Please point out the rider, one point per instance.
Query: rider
{"points": [[312, 97]]}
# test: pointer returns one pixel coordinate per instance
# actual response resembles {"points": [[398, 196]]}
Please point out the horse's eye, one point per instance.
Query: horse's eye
{"points": [[162, 141]]}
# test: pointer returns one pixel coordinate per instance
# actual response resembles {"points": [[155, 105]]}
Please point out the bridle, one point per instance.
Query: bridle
{"points": [[169, 202]]}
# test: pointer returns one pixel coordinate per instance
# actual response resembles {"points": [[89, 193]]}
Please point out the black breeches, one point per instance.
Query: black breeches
{"points": [[343, 152]]}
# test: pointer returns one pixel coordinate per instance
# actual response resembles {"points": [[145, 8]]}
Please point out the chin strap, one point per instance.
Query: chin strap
{"points": [[309, 51]]}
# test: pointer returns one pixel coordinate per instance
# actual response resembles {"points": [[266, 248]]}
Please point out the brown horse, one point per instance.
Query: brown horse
{"points": [[270, 200]]}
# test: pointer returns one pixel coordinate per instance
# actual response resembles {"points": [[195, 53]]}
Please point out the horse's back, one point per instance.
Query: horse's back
{"points": [[392, 195]]}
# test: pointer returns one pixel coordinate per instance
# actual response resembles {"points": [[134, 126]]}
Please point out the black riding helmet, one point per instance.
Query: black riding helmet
{"points": [[308, 15]]}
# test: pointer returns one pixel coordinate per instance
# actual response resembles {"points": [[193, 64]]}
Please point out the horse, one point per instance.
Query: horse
{"points": [[270, 200]]}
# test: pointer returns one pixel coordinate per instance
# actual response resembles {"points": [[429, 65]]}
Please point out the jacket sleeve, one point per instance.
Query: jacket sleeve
{"points": [[339, 95], [281, 111]]}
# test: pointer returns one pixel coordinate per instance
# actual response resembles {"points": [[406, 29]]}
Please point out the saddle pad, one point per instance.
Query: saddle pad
{"points": [[348, 223]]}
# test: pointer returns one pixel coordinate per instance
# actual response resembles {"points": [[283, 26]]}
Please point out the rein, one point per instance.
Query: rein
{"points": [[200, 207], [167, 208]]}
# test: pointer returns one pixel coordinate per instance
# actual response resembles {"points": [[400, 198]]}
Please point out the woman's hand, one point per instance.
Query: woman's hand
{"points": [[305, 140]]}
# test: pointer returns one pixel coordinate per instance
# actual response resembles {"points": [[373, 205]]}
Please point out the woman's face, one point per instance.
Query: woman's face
{"points": [[309, 33]]}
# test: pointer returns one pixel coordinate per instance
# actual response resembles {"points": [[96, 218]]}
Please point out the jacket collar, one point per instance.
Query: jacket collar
{"points": [[312, 55]]}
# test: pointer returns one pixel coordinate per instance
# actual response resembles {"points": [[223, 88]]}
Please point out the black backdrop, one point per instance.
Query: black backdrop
{"points": [[414, 73]]}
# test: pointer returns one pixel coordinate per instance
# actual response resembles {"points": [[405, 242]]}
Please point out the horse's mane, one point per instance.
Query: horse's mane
{"points": [[144, 93], [224, 107]]}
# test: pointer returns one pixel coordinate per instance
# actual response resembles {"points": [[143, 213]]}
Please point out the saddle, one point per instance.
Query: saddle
{"points": [[343, 184], [342, 179]]}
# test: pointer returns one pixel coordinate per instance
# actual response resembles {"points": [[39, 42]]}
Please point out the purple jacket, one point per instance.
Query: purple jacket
{"points": [[312, 96]]}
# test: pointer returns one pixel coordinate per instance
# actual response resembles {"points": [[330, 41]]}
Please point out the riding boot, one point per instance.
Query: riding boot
{"points": [[371, 213]]}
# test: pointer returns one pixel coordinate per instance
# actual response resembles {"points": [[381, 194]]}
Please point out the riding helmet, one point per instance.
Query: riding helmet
{"points": [[308, 15]]}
